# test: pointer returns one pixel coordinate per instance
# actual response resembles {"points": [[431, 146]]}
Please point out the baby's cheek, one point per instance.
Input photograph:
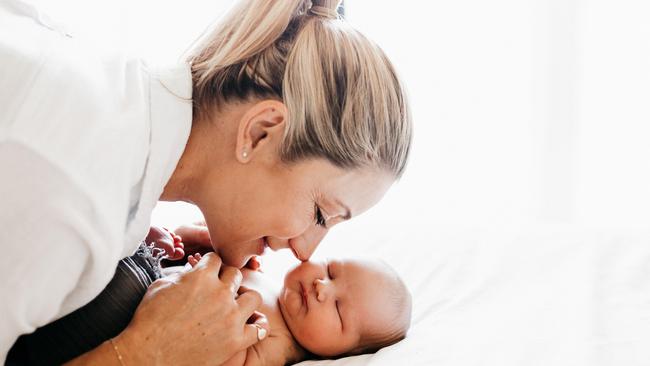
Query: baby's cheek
{"points": [[317, 332]]}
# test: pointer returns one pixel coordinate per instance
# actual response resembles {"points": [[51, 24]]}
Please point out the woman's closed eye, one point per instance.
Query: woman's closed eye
{"points": [[318, 216]]}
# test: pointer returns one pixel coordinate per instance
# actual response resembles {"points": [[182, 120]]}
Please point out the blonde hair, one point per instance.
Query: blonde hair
{"points": [[344, 99]]}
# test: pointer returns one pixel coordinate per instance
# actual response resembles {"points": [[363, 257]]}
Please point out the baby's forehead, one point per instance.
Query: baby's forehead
{"points": [[367, 282], [362, 268]]}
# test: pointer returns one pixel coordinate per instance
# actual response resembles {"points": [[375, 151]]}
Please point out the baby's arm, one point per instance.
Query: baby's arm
{"points": [[275, 350]]}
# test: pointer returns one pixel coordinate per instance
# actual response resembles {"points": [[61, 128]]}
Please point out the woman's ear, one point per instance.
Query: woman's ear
{"points": [[260, 126]]}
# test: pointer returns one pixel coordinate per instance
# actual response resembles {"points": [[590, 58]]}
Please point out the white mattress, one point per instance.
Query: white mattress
{"points": [[543, 295], [540, 296]]}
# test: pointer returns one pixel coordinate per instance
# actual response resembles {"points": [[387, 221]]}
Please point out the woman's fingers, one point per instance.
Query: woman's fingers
{"points": [[254, 333], [179, 253], [195, 311], [257, 325], [231, 277], [249, 301], [210, 261]]}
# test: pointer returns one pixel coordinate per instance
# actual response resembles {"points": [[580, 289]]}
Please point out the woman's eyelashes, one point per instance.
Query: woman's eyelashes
{"points": [[318, 216]]}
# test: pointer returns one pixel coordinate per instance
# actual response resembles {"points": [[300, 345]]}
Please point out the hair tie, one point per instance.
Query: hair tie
{"points": [[324, 12]]}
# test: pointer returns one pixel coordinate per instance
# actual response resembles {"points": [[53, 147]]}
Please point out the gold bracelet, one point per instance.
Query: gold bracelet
{"points": [[117, 352]]}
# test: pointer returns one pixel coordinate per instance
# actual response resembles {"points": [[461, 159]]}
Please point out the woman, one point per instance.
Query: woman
{"points": [[283, 123]]}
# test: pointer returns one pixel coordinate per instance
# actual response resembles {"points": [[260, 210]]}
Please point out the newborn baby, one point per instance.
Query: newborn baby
{"points": [[328, 309]]}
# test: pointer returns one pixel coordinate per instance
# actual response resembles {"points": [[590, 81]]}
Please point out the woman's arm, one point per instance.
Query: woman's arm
{"points": [[46, 232], [104, 355]]}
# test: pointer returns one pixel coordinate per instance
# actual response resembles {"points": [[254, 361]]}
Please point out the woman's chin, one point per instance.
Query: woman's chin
{"points": [[247, 250], [233, 259]]}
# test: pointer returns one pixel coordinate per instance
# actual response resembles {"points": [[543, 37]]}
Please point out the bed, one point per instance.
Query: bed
{"points": [[505, 296], [546, 295]]}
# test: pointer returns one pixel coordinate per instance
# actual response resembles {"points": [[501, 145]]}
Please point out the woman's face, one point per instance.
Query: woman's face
{"points": [[277, 205], [252, 200]]}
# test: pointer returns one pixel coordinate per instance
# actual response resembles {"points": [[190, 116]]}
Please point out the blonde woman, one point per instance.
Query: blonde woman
{"points": [[283, 122]]}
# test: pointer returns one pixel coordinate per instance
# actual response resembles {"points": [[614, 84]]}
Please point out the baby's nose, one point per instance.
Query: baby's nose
{"points": [[321, 288]]}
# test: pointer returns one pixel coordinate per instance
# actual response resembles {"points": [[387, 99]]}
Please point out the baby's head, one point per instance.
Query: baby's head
{"points": [[345, 307]]}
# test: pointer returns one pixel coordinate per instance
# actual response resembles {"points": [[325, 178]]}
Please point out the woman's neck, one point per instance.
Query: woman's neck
{"points": [[184, 183]]}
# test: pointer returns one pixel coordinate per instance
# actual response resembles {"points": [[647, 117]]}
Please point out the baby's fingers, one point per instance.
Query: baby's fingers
{"points": [[194, 259]]}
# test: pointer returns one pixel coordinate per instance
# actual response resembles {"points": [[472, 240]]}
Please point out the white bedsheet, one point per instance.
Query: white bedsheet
{"points": [[524, 296], [541, 296]]}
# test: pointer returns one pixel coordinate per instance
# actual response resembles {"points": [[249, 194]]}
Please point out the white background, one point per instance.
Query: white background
{"points": [[525, 111], [528, 113]]}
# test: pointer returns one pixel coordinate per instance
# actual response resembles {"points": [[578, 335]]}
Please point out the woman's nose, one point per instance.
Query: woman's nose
{"points": [[323, 288], [305, 245]]}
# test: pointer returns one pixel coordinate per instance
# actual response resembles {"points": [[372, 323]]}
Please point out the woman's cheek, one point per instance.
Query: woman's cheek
{"points": [[289, 225]]}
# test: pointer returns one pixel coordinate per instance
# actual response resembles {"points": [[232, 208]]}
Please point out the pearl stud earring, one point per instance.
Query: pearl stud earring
{"points": [[244, 154]]}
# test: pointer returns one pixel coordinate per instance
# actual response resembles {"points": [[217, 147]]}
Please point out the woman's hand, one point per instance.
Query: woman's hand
{"points": [[194, 318], [196, 239]]}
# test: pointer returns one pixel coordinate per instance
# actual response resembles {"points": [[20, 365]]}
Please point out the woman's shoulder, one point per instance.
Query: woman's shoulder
{"points": [[38, 56]]}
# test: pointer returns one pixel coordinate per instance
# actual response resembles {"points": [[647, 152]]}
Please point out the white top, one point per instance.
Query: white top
{"points": [[87, 144]]}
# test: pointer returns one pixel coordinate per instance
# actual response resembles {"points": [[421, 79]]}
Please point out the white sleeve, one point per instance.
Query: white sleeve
{"points": [[44, 231]]}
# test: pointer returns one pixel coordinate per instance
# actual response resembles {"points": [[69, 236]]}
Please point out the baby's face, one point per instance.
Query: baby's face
{"points": [[328, 305]]}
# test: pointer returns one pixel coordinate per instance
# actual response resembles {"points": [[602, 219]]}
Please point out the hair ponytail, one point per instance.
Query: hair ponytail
{"points": [[344, 99], [221, 58]]}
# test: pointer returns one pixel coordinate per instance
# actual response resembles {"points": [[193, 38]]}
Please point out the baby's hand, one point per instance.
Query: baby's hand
{"points": [[167, 241], [194, 259]]}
